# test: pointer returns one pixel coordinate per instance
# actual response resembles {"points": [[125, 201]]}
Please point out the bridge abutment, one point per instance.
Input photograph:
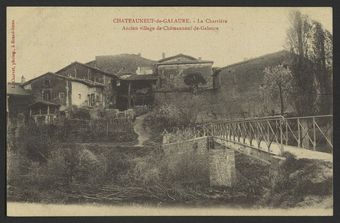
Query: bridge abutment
{"points": [[275, 172], [222, 170]]}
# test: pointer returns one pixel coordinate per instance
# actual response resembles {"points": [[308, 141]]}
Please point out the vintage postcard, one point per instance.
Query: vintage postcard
{"points": [[190, 111]]}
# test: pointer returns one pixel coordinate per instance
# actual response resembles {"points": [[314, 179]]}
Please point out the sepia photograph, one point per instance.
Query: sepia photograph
{"points": [[169, 111]]}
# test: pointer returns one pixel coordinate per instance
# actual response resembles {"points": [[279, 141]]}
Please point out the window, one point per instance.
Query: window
{"points": [[93, 102], [79, 96], [91, 99]]}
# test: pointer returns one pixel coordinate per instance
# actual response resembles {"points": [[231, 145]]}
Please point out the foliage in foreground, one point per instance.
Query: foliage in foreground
{"points": [[128, 175], [113, 175]]}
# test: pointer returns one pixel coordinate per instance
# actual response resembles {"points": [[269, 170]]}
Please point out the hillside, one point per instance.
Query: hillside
{"points": [[240, 85], [121, 63], [246, 73]]}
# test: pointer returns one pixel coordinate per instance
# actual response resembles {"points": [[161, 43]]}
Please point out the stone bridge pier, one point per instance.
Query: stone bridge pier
{"points": [[222, 169], [214, 162]]}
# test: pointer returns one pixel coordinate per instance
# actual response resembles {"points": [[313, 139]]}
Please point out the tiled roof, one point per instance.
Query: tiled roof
{"points": [[188, 60], [185, 62], [33, 79], [86, 82], [90, 67], [178, 55], [120, 64]]}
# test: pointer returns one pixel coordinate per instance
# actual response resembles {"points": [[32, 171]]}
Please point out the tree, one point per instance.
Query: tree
{"points": [[298, 40], [278, 83], [320, 53], [312, 59], [193, 80]]}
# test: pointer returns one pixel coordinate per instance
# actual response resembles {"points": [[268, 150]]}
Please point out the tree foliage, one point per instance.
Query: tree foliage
{"points": [[193, 80], [312, 47], [278, 82]]}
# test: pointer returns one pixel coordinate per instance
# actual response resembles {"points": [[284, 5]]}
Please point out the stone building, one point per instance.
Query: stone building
{"points": [[171, 72], [136, 78], [75, 85], [91, 86]]}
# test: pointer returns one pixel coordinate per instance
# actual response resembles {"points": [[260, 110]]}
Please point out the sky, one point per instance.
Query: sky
{"points": [[49, 38]]}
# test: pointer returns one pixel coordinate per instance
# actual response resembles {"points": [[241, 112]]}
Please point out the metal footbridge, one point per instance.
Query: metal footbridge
{"points": [[265, 138]]}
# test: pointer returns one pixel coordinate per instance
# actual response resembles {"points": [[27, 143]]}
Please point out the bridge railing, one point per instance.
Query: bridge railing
{"points": [[310, 132], [267, 133]]}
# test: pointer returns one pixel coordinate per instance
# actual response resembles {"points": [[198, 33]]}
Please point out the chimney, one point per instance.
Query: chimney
{"points": [[163, 55], [139, 54], [199, 58], [23, 79]]}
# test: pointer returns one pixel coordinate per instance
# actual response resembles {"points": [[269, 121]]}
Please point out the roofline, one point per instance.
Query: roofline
{"points": [[247, 61], [44, 102], [87, 66], [186, 62], [90, 62], [65, 77], [180, 54], [124, 54], [29, 81]]}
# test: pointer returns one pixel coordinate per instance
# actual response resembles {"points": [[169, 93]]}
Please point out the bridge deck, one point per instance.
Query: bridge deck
{"points": [[297, 152]]}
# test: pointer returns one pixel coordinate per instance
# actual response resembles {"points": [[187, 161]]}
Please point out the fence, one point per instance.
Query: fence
{"points": [[97, 130]]}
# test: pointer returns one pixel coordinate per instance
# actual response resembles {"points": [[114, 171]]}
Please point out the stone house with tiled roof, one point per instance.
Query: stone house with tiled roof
{"points": [[172, 70], [74, 85]]}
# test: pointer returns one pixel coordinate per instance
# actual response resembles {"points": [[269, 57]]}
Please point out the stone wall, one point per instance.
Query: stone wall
{"points": [[197, 160], [171, 76], [187, 161], [222, 167], [239, 92]]}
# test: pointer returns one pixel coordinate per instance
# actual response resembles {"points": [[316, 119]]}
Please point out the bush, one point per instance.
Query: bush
{"points": [[167, 117], [80, 113], [35, 142], [299, 180]]}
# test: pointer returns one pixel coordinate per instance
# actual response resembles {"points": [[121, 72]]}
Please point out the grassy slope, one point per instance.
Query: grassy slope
{"points": [[240, 83]]}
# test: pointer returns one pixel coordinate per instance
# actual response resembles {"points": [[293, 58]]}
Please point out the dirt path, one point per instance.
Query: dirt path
{"points": [[143, 134]]}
